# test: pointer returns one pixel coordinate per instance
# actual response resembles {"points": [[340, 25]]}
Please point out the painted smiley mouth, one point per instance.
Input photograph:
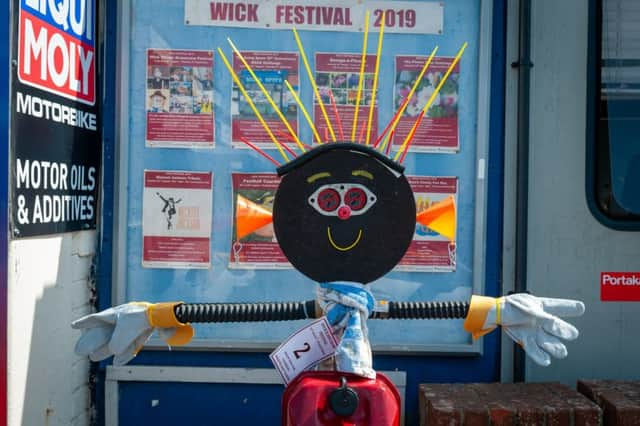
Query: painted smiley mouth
{"points": [[343, 248]]}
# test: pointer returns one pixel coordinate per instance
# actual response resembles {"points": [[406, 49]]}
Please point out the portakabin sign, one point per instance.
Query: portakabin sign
{"points": [[55, 139]]}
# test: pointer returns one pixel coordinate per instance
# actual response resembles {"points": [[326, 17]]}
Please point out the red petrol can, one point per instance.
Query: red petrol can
{"points": [[331, 398]]}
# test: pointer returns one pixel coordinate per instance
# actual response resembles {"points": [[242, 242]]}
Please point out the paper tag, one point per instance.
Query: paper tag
{"points": [[304, 349]]}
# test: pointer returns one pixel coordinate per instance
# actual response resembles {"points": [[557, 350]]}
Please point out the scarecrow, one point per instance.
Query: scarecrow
{"points": [[344, 216]]}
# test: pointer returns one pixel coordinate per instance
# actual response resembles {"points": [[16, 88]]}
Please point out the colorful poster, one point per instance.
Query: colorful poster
{"points": [[176, 219], [338, 74], [179, 99], [438, 131], [272, 69], [405, 17], [430, 251], [253, 241]]}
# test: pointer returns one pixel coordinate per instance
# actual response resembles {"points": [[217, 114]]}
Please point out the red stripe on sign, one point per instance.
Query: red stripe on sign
{"points": [[176, 249], [620, 286], [174, 179], [53, 61]]}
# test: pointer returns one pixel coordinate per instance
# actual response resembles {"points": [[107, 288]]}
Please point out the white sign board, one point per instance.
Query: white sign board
{"points": [[345, 15]]}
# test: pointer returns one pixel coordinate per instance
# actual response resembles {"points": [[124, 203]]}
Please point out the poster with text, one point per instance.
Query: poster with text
{"points": [[338, 74], [253, 241], [176, 219], [179, 99], [430, 251], [272, 69], [438, 131], [55, 143]]}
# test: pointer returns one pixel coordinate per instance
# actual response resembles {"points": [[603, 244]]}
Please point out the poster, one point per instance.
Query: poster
{"points": [[405, 17], [176, 219], [257, 248], [272, 68], [55, 147], [179, 99], [438, 131], [429, 251], [338, 74]]}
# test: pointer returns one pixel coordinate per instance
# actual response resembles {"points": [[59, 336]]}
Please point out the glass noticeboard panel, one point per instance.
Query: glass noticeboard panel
{"points": [[184, 169]]}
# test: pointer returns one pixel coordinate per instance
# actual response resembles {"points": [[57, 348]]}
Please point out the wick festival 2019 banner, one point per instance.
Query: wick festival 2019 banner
{"points": [[406, 17], [55, 121]]}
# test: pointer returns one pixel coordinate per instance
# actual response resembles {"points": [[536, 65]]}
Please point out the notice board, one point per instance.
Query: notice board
{"points": [[174, 83]]}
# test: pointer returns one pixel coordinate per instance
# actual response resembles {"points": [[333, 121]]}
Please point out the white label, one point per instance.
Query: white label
{"points": [[405, 17], [304, 349]]}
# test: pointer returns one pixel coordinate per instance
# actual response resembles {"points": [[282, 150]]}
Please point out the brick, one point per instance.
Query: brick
{"points": [[587, 417], [502, 416], [506, 404], [442, 413], [619, 400], [558, 416]]}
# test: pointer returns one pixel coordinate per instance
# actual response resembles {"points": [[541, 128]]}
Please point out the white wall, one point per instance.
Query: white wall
{"points": [[48, 287], [568, 247]]}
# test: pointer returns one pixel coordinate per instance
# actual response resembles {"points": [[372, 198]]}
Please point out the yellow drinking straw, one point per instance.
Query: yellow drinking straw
{"points": [[361, 80], [433, 96], [304, 111], [375, 80], [411, 92], [313, 84], [267, 95], [250, 102]]}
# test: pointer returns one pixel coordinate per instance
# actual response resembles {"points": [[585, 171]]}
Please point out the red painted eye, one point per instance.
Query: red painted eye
{"points": [[356, 199], [328, 200]]}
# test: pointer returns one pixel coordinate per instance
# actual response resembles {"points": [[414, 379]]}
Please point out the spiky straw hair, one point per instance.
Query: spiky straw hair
{"points": [[383, 141]]}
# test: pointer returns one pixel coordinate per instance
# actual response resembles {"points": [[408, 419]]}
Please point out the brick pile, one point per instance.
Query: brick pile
{"points": [[505, 404], [619, 400]]}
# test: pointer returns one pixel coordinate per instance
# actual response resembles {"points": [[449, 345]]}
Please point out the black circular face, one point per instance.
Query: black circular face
{"points": [[343, 215]]}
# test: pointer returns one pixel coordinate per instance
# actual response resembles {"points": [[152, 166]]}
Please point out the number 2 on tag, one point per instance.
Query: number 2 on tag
{"points": [[307, 348]]}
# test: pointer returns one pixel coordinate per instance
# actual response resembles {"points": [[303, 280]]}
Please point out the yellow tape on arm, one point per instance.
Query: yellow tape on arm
{"points": [[162, 315], [477, 315], [499, 302]]}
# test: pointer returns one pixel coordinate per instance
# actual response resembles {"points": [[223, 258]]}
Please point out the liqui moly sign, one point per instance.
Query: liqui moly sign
{"points": [[620, 286], [56, 47]]}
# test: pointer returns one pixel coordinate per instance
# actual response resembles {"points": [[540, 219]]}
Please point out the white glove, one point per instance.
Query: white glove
{"points": [[532, 322], [124, 329]]}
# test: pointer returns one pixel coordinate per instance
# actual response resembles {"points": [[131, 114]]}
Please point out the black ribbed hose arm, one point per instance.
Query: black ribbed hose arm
{"points": [[289, 311]]}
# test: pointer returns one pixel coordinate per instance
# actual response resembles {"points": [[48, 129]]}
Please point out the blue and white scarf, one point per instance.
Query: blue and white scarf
{"points": [[347, 306]]}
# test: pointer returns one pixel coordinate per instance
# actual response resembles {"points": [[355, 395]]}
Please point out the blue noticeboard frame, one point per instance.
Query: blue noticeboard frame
{"points": [[162, 27]]}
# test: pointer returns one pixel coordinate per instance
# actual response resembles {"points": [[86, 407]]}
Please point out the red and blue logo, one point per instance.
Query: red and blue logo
{"points": [[56, 47]]}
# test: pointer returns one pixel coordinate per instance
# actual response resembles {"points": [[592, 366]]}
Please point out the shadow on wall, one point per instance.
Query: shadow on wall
{"points": [[56, 388]]}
